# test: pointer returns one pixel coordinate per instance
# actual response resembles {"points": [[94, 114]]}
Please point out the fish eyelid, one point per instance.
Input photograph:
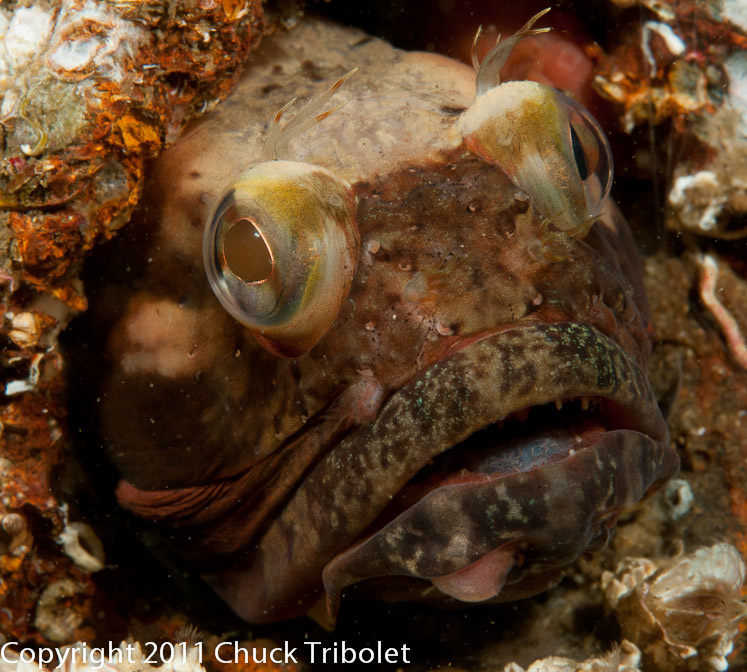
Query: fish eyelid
{"points": [[276, 144], [489, 71]]}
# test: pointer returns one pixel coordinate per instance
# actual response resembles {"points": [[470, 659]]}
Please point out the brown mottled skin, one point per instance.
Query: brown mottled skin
{"points": [[278, 476]]}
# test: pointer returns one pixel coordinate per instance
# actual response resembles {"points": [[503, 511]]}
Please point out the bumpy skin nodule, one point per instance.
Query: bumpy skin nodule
{"points": [[281, 477]]}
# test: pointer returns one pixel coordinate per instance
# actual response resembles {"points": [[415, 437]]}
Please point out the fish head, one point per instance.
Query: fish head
{"points": [[417, 400]]}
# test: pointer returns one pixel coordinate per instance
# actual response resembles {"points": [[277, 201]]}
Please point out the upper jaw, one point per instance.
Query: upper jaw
{"points": [[480, 384]]}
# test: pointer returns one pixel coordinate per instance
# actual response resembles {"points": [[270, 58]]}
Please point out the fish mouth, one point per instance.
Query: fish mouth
{"points": [[479, 479], [496, 517]]}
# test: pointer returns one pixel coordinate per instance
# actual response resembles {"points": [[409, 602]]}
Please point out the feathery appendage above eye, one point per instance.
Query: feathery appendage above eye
{"points": [[280, 251], [488, 72], [280, 134]]}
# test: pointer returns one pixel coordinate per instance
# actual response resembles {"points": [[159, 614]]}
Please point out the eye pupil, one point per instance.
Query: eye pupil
{"points": [[245, 252], [579, 155]]}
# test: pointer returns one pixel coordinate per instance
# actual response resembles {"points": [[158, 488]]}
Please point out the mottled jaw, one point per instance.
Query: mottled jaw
{"points": [[497, 515], [436, 491]]}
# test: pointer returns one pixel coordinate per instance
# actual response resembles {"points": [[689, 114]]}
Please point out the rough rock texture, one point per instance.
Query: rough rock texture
{"points": [[89, 92], [681, 71]]}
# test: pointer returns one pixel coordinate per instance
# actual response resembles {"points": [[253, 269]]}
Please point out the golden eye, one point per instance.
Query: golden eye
{"points": [[549, 145], [280, 252]]}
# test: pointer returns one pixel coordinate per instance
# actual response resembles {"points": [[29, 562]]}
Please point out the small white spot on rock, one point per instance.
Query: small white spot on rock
{"points": [[678, 497]]}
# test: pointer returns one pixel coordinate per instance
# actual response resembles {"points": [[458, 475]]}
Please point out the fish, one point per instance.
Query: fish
{"points": [[380, 333]]}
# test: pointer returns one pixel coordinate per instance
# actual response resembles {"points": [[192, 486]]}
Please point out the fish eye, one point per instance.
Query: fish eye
{"points": [[578, 154], [280, 250], [591, 153], [246, 253], [548, 145]]}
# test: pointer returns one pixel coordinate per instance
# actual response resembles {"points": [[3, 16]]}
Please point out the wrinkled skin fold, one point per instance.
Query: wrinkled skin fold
{"points": [[476, 417]]}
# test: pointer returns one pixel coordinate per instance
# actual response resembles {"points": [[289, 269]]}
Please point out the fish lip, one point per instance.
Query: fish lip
{"points": [[538, 545], [466, 391], [643, 413], [640, 428]]}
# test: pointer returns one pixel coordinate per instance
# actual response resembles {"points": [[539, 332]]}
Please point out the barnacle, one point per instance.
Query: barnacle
{"points": [[679, 609]]}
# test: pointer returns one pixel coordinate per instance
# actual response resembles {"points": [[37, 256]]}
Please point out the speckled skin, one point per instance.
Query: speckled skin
{"points": [[271, 471]]}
